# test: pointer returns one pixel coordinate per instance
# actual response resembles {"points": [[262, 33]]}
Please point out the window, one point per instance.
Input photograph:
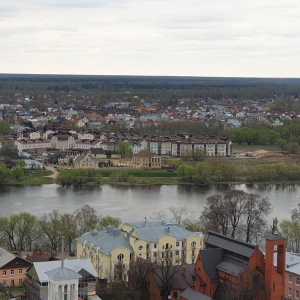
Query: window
{"points": [[297, 280], [20, 271], [12, 283], [177, 244], [177, 252], [175, 295], [155, 245], [4, 282], [120, 257], [290, 291], [290, 279], [140, 247], [193, 244], [20, 281], [12, 272], [297, 294], [162, 292], [4, 273]]}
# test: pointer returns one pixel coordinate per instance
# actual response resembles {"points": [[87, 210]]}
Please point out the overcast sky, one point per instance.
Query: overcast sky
{"points": [[257, 38]]}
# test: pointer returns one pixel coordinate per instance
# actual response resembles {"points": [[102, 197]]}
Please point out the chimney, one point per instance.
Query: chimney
{"points": [[183, 271], [145, 222]]}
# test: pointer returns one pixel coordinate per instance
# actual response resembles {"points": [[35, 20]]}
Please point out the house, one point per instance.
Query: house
{"points": [[41, 275], [147, 160], [292, 276], [85, 161], [112, 250], [231, 266], [12, 269], [177, 277], [33, 164]]}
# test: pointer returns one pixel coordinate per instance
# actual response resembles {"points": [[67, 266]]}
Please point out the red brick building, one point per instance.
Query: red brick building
{"points": [[231, 267]]}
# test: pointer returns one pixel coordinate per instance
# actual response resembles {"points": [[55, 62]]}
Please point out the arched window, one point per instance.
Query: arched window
{"points": [[193, 244], [120, 257]]}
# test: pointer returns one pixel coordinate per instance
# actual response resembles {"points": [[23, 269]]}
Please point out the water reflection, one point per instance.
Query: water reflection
{"points": [[135, 202]]}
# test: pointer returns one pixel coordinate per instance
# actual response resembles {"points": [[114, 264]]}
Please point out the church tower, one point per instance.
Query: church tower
{"points": [[275, 264]]}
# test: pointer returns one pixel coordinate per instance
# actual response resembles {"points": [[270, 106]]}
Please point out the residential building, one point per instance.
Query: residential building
{"points": [[12, 269], [85, 161], [292, 276], [147, 160], [175, 278], [112, 250]]}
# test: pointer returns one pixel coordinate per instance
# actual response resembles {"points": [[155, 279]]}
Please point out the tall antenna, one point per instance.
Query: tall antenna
{"points": [[62, 250]]}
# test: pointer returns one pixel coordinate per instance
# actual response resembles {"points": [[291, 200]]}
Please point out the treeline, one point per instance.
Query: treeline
{"points": [[262, 134], [290, 229], [208, 171], [12, 175], [23, 231], [80, 176], [274, 173]]}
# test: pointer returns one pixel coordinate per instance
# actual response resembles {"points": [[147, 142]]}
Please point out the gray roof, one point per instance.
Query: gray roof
{"points": [[73, 264], [156, 233], [211, 258], [229, 267], [62, 273], [151, 223], [190, 294], [227, 243], [5, 257], [106, 241]]}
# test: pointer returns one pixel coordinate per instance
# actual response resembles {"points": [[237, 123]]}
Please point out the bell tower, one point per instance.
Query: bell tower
{"points": [[275, 264]]}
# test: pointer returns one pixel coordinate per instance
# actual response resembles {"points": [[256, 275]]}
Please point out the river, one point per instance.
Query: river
{"points": [[135, 203]]}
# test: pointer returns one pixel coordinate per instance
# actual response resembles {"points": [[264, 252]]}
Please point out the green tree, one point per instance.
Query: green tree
{"points": [[124, 149], [86, 219], [109, 220], [9, 149], [4, 127], [5, 174], [20, 231]]}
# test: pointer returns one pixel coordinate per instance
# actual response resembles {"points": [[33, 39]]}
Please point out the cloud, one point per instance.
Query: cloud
{"points": [[150, 37]]}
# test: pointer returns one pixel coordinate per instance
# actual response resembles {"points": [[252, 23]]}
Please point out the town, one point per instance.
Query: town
{"points": [[81, 255]]}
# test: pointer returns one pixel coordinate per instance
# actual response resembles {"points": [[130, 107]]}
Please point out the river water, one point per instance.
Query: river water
{"points": [[135, 203]]}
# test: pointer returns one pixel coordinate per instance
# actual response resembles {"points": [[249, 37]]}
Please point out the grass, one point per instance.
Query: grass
{"points": [[139, 173], [36, 177]]}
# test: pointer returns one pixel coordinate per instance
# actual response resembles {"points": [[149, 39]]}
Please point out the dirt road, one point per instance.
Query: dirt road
{"points": [[55, 172]]}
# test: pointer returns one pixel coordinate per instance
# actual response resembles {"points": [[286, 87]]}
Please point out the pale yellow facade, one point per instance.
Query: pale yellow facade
{"points": [[115, 264]]}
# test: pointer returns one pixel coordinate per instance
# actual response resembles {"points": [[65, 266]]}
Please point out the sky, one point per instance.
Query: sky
{"points": [[229, 38]]}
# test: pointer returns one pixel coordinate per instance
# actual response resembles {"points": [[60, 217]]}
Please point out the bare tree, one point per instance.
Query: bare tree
{"points": [[236, 212], [256, 209], [137, 284], [235, 205], [215, 215], [179, 213], [165, 269]]}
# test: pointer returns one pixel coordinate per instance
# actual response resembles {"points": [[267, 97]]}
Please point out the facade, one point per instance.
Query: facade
{"points": [[42, 275], [111, 251], [231, 266], [292, 276], [85, 161], [147, 160], [12, 269]]}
